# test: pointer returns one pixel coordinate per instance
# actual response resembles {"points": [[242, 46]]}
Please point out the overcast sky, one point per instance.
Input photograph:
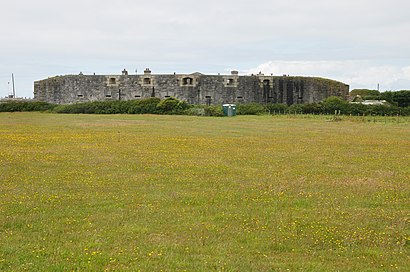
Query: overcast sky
{"points": [[360, 42]]}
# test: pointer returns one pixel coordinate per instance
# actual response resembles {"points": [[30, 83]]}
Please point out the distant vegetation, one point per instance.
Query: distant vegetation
{"points": [[399, 104], [399, 98], [14, 106]]}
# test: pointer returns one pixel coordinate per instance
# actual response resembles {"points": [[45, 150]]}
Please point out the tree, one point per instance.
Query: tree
{"points": [[334, 103]]}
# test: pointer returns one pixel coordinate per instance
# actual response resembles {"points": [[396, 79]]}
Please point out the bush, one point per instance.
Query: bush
{"points": [[172, 105], [296, 108], [14, 106], [400, 98], [214, 111], [195, 111], [332, 104], [251, 109], [144, 106], [313, 108], [357, 109], [277, 108]]}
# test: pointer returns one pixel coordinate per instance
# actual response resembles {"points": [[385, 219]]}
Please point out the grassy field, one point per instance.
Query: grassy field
{"points": [[179, 193]]}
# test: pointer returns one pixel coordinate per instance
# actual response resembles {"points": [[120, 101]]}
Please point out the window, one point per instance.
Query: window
{"points": [[112, 80], [266, 82], [187, 81], [108, 96], [137, 96], [208, 100], [147, 81], [80, 95], [230, 81]]}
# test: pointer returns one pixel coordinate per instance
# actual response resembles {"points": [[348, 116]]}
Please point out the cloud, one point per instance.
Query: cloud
{"points": [[45, 38]]}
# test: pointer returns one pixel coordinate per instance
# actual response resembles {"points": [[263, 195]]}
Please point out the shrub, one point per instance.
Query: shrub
{"points": [[251, 109], [148, 105], [214, 111], [313, 108], [195, 111], [172, 105], [333, 104], [14, 106], [295, 108], [71, 108], [276, 108], [401, 98]]}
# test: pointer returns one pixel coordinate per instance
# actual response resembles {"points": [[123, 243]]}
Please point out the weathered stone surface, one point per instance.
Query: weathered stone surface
{"points": [[194, 88]]}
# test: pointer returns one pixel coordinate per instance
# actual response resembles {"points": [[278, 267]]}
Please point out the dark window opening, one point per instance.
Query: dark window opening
{"points": [[108, 96], [147, 81], [80, 95], [187, 81], [239, 97], [208, 100], [167, 96], [230, 81], [137, 96], [266, 82], [112, 80]]}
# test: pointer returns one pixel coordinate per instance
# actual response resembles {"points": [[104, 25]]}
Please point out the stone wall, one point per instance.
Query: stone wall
{"points": [[194, 88]]}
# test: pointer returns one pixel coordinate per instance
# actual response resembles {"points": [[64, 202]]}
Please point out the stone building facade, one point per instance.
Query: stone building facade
{"points": [[194, 88]]}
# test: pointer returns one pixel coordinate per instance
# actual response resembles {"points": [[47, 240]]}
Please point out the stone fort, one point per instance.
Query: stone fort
{"points": [[195, 88]]}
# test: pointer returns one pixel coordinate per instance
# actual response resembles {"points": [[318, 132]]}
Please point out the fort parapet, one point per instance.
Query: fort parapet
{"points": [[195, 88]]}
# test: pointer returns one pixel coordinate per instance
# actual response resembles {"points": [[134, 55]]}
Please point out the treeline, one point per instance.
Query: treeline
{"points": [[398, 98], [332, 105]]}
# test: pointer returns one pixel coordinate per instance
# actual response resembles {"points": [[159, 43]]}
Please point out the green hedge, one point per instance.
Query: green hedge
{"points": [[174, 106], [16, 106], [144, 106]]}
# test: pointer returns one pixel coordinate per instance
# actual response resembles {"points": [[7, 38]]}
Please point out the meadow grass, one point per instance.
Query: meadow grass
{"points": [[180, 193]]}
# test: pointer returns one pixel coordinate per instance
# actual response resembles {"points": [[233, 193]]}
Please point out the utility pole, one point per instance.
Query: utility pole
{"points": [[14, 90]]}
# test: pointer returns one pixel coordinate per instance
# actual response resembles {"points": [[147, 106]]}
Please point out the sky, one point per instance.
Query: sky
{"points": [[362, 43]]}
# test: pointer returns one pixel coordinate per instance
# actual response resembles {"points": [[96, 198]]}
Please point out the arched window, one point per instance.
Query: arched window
{"points": [[147, 81], [187, 81]]}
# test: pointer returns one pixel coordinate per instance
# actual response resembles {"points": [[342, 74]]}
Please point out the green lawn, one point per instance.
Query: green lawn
{"points": [[180, 193]]}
